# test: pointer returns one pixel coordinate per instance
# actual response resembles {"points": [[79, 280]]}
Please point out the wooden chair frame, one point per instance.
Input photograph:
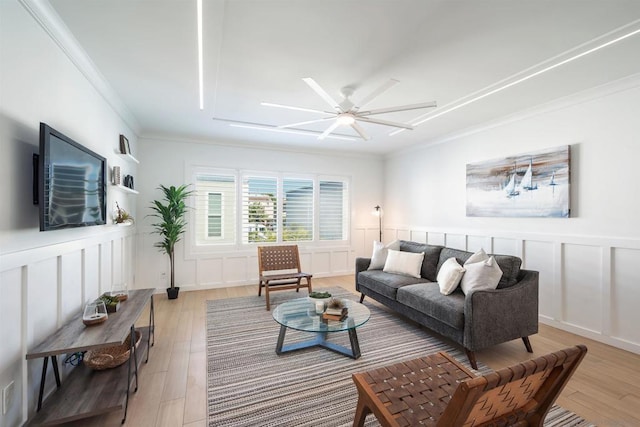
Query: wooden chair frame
{"points": [[438, 391], [285, 261]]}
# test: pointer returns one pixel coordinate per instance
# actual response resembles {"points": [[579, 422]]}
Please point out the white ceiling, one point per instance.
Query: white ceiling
{"points": [[259, 50]]}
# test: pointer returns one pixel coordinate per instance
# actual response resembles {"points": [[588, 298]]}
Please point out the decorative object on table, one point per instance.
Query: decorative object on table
{"points": [[336, 310], [527, 185], [171, 226], [377, 211], [319, 296], [112, 303], [115, 175], [122, 217], [120, 292], [110, 357], [94, 313], [125, 148]]}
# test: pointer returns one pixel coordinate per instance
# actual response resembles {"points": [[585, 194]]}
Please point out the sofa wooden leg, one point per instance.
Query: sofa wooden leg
{"points": [[472, 358], [361, 298], [527, 344]]}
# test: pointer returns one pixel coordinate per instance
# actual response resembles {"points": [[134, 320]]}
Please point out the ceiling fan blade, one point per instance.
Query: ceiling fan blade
{"points": [[292, 125], [376, 93], [323, 94], [290, 107], [432, 104], [329, 130], [360, 131], [385, 122]]}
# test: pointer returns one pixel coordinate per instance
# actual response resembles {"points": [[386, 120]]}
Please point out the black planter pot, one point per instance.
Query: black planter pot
{"points": [[172, 293]]}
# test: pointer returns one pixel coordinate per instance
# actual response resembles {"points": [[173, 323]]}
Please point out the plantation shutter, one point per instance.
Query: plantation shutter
{"points": [[333, 210], [215, 209], [297, 215], [259, 209]]}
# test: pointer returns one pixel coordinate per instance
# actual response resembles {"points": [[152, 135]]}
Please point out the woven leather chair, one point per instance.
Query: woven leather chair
{"points": [[437, 391], [279, 269]]}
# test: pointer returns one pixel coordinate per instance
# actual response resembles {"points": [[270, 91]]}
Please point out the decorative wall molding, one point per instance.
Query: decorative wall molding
{"points": [[44, 14]]}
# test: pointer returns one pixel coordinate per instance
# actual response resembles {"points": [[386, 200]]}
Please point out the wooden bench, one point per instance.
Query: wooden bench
{"points": [[437, 390], [279, 269]]}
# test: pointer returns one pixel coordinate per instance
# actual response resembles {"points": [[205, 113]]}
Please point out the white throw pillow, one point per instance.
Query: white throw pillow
{"points": [[449, 276], [481, 255], [379, 256], [481, 275], [407, 263]]}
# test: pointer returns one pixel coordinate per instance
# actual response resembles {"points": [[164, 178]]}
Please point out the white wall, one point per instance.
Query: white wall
{"points": [[166, 161], [46, 277], [588, 263]]}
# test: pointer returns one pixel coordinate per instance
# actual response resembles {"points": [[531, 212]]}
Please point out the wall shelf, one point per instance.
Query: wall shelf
{"points": [[127, 157], [125, 189]]}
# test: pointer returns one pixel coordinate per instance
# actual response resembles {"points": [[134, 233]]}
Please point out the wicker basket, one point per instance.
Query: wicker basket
{"points": [[110, 357]]}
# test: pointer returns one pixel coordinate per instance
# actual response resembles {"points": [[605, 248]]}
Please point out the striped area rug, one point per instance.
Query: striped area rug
{"points": [[248, 384]]}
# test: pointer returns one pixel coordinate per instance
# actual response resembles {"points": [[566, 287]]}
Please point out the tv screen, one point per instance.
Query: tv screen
{"points": [[71, 185]]}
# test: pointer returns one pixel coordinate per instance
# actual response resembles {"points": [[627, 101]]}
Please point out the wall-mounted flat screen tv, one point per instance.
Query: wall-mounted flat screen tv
{"points": [[71, 183]]}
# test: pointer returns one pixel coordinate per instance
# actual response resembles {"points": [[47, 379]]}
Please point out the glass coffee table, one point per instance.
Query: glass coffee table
{"points": [[300, 314]]}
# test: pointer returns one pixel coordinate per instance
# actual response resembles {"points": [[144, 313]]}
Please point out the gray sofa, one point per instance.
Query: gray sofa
{"points": [[478, 320]]}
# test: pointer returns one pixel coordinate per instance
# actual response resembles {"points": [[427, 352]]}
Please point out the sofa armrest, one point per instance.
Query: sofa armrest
{"points": [[497, 316], [362, 264]]}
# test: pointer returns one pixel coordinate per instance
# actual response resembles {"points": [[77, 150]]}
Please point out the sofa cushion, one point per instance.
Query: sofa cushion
{"points": [[407, 263], [380, 251], [427, 299], [510, 265], [480, 275], [386, 284], [449, 276], [431, 257]]}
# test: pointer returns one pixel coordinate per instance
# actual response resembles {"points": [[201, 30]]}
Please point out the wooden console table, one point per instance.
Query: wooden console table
{"points": [[87, 392]]}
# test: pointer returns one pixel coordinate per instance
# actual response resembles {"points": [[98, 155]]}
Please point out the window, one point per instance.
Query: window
{"points": [[333, 210], [235, 207], [215, 209], [259, 209], [297, 210], [214, 215]]}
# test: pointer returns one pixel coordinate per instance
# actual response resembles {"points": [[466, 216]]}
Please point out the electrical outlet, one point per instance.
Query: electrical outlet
{"points": [[7, 397]]}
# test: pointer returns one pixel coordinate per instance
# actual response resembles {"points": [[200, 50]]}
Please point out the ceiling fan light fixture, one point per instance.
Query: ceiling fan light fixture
{"points": [[346, 119]]}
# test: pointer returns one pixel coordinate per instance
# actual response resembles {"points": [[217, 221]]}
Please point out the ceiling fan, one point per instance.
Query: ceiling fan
{"points": [[346, 113]]}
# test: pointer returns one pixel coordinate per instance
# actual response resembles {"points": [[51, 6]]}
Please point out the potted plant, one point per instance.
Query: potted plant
{"points": [[171, 212]]}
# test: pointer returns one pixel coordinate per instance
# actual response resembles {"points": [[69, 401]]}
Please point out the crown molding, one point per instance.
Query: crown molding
{"points": [[44, 14]]}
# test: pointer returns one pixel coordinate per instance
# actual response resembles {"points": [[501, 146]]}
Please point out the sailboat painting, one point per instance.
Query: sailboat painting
{"points": [[526, 185]]}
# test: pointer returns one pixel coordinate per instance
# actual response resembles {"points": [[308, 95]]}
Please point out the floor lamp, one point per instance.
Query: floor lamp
{"points": [[377, 211]]}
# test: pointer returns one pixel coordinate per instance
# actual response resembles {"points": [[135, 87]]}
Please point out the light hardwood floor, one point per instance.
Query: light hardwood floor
{"points": [[605, 389]]}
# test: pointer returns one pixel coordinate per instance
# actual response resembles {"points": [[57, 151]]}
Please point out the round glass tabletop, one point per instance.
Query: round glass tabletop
{"points": [[300, 314]]}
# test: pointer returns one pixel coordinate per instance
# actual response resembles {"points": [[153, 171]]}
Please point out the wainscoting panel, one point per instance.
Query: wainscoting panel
{"points": [[235, 269], [456, 241], [582, 279], [539, 256], [588, 285], [436, 238], [43, 303], [507, 246], [419, 236], [106, 276], [321, 262], [209, 271], [70, 283], [91, 263], [340, 262], [10, 311], [625, 294], [398, 235], [475, 243]]}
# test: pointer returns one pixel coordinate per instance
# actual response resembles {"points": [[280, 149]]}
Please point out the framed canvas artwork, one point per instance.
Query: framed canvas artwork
{"points": [[533, 184]]}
